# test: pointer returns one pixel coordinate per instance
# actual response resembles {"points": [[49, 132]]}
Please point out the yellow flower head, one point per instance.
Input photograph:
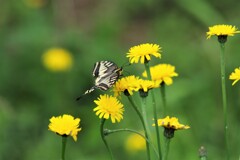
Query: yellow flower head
{"points": [[235, 76], [57, 59], [127, 85], [135, 143], [146, 85], [162, 73], [65, 125], [171, 123], [142, 52], [222, 30], [108, 106]]}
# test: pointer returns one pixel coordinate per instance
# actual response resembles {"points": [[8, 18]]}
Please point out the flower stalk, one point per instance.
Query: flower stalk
{"points": [[144, 113], [163, 94], [147, 68], [224, 96], [167, 143], [222, 32], [103, 137], [132, 131], [64, 143], [143, 123]]}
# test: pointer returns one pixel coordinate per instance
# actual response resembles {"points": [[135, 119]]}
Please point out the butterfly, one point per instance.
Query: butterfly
{"points": [[106, 73]]}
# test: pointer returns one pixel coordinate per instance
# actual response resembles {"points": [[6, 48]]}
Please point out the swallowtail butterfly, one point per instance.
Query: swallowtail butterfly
{"points": [[106, 73]]}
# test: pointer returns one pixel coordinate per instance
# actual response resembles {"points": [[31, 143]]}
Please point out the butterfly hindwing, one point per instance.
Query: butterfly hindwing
{"points": [[104, 83], [87, 92]]}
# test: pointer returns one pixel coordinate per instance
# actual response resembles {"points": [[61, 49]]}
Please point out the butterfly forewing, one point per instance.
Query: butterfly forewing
{"points": [[102, 68], [96, 69]]}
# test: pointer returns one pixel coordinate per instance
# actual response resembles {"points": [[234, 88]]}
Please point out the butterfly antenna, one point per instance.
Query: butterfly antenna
{"points": [[86, 92]]}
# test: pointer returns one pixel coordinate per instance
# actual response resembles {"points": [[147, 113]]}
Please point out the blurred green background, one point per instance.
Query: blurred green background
{"points": [[94, 30]]}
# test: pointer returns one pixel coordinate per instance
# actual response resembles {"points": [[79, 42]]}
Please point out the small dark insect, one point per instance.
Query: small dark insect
{"points": [[106, 74]]}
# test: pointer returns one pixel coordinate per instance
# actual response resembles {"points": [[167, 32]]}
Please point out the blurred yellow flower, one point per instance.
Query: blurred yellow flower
{"points": [[222, 30], [171, 123], [108, 106], [35, 3], [235, 75], [126, 85], [65, 125], [142, 52], [135, 143], [162, 73], [57, 59]]}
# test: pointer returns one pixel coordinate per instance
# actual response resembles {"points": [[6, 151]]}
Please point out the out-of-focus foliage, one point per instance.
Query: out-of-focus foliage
{"points": [[94, 30]]}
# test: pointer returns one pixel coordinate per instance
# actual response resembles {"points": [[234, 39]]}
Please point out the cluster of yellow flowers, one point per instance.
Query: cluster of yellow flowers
{"points": [[161, 73], [109, 107], [132, 83]]}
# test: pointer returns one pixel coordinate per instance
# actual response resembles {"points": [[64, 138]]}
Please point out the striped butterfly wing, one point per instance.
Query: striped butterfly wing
{"points": [[106, 74], [102, 68], [86, 92], [104, 83], [109, 77]]}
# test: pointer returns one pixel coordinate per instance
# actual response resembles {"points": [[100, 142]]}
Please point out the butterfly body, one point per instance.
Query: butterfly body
{"points": [[106, 73]]}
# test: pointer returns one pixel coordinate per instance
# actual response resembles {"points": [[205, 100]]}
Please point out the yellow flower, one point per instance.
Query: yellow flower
{"points": [[235, 76], [57, 59], [108, 106], [146, 85], [127, 85], [65, 125], [135, 143], [162, 73], [142, 52], [171, 123], [222, 30]]}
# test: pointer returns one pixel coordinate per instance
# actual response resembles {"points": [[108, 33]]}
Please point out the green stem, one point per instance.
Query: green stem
{"points": [[154, 112], [103, 138], [224, 97], [144, 126], [144, 114], [163, 94], [64, 142], [167, 143], [136, 132]]}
